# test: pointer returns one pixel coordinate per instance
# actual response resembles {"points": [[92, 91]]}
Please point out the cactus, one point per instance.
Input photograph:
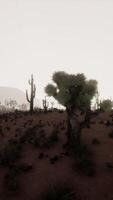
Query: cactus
{"points": [[33, 91], [45, 104]]}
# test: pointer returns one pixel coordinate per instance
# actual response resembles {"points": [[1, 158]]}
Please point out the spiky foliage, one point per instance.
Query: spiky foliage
{"points": [[59, 192], [72, 90], [33, 91], [106, 105], [75, 93]]}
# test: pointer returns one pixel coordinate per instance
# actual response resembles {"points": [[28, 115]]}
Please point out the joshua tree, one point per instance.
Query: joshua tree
{"points": [[33, 91], [45, 104], [75, 93]]}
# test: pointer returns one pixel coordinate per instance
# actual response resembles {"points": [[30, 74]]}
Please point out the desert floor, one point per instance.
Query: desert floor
{"points": [[52, 165]]}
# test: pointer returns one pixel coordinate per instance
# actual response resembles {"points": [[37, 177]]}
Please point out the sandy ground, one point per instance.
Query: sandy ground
{"points": [[34, 183]]}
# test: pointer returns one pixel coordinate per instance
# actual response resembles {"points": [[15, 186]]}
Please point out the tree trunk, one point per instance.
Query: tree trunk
{"points": [[73, 129], [86, 122], [31, 106]]}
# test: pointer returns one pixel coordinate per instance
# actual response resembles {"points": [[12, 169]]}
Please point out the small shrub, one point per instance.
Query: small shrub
{"points": [[10, 182], [1, 131], [95, 141], [54, 159], [86, 166], [84, 162], [62, 127], [59, 192], [11, 179], [33, 136], [21, 168], [10, 153], [52, 139], [109, 166], [38, 137], [111, 134], [61, 111], [41, 156]]}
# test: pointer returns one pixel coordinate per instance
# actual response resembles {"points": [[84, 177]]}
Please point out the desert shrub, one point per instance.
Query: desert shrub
{"points": [[10, 153], [59, 192], [21, 168], [38, 137], [83, 162], [35, 137], [1, 131], [39, 141], [52, 139], [109, 166], [61, 111], [11, 182], [46, 142], [95, 141], [111, 134], [86, 166]]}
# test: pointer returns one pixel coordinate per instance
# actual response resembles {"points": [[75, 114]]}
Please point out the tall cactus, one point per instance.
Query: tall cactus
{"points": [[33, 91], [45, 104]]}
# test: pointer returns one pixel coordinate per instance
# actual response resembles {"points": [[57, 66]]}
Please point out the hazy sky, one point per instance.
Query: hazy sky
{"points": [[43, 36]]}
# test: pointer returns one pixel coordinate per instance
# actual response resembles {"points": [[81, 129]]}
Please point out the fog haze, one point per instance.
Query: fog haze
{"points": [[43, 36]]}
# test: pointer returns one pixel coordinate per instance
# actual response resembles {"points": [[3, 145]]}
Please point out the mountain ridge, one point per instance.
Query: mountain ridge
{"points": [[7, 93]]}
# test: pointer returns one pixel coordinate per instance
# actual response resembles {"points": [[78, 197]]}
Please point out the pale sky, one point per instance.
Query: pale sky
{"points": [[43, 36]]}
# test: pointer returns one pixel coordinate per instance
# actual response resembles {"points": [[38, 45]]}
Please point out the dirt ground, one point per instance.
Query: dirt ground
{"points": [[43, 173]]}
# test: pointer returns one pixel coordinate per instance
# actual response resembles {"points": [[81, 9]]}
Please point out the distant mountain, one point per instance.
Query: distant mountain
{"points": [[7, 93]]}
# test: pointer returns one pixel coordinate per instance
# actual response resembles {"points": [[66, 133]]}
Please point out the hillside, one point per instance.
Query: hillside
{"points": [[12, 93], [35, 158]]}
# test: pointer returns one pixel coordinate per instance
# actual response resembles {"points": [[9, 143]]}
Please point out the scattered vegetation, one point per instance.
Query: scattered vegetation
{"points": [[111, 134], [75, 93], [95, 141], [106, 105], [53, 138], [10, 153], [59, 191], [11, 182], [37, 137], [109, 166], [83, 162]]}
